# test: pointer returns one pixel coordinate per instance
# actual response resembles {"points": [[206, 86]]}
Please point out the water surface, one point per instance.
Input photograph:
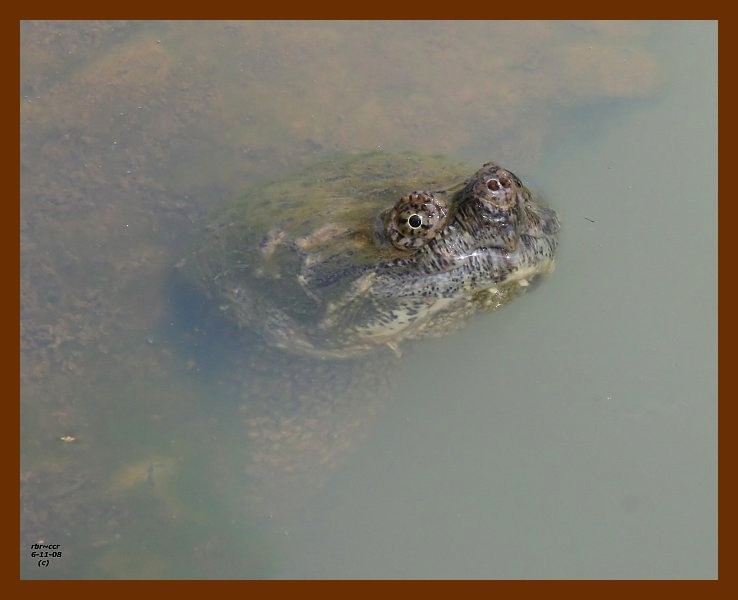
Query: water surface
{"points": [[570, 435]]}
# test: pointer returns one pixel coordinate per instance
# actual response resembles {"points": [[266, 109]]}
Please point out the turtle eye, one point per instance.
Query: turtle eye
{"points": [[493, 184], [416, 219]]}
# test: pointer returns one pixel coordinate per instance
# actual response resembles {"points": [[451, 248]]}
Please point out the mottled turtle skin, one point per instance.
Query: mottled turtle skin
{"points": [[369, 250]]}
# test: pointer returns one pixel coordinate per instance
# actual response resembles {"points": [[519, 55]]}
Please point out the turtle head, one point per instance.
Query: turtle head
{"points": [[487, 234]]}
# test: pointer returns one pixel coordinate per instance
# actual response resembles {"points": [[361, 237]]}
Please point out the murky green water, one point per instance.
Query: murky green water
{"points": [[570, 435]]}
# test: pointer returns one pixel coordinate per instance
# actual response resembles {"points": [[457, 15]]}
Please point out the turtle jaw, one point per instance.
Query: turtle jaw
{"points": [[549, 224]]}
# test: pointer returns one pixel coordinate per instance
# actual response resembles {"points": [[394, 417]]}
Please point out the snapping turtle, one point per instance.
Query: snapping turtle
{"points": [[352, 257], [373, 249]]}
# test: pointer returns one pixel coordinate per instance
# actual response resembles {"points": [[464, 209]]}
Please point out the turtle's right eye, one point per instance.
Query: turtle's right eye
{"points": [[415, 219]]}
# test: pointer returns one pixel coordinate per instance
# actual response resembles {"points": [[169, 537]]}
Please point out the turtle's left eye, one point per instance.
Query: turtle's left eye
{"points": [[415, 219]]}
